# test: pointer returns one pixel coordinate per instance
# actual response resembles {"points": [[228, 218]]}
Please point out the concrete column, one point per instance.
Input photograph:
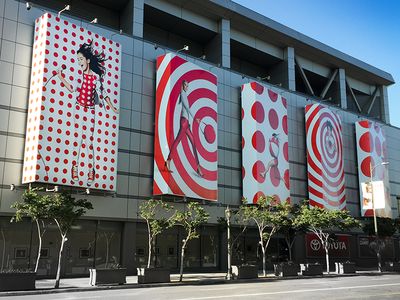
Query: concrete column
{"points": [[384, 104], [225, 31], [289, 71], [342, 88], [128, 247], [138, 18]]}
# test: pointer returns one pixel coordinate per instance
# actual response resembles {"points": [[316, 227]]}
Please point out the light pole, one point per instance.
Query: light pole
{"points": [[378, 250], [228, 232]]}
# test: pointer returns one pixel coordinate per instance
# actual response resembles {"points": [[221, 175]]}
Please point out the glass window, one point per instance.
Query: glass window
{"points": [[108, 244], [209, 247]]}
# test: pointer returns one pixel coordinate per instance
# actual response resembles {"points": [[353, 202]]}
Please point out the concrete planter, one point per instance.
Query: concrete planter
{"points": [[286, 269], [17, 281], [245, 271], [345, 267], [391, 266], [153, 275], [311, 269], [107, 276]]}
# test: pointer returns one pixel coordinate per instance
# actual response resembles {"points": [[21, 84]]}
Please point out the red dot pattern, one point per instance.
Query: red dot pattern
{"points": [[69, 131], [372, 151], [265, 169]]}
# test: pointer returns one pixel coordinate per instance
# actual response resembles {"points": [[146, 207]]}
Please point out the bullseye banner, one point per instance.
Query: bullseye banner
{"points": [[185, 143], [72, 126], [325, 158], [265, 149], [371, 153]]}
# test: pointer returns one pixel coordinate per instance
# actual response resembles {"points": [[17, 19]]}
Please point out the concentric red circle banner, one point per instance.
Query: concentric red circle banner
{"points": [[324, 144], [185, 145]]}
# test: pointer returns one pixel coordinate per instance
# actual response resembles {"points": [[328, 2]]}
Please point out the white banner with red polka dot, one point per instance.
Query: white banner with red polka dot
{"points": [[371, 153], [265, 148], [72, 127], [185, 143], [324, 144]]}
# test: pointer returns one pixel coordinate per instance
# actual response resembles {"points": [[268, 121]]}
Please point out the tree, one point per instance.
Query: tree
{"points": [[34, 206], [65, 210], [148, 211], [269, 216], [321, 222], [190, 219], [386, 227], [288, 230]]}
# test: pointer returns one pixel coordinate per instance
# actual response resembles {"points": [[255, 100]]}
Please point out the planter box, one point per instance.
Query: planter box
{"points": [[391, 266], [245, 272], [285, 269], [153, 275], [107, 276], [311, 269], [17, 281], [345, 267]]}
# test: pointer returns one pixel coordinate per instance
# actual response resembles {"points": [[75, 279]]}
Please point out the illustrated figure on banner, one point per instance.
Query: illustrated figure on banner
{"points": [[89, 92], [184, 129], [274, 149], [330, 143]]}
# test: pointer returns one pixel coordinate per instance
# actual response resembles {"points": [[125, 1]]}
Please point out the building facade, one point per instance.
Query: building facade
{"points": [[239, 47]]}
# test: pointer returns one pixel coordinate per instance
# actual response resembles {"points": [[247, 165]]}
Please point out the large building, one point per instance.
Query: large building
{"points": [[238, 63]]}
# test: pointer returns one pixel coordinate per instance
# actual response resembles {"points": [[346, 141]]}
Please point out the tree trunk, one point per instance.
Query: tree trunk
{"points": [[182, 258], [290, 245], [264, 260], [40, 245], [57, 284], [327, 256], [150, 242]]}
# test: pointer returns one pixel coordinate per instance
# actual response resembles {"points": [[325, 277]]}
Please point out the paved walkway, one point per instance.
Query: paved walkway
{"points": [[46, 286]]}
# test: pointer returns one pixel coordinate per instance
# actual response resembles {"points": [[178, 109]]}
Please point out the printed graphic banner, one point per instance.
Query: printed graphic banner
{"points": [[265, 169], [371, 153], [325, 158], [72, 126], [185, 144]]}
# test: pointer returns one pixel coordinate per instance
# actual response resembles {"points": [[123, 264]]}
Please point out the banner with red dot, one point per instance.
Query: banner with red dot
{"points": [[325, 167], [73, 114], [371, 153], [265, 147], [185, 143]]}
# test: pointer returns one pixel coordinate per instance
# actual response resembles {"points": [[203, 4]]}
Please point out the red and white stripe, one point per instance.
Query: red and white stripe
{"points": [[324, 161]]}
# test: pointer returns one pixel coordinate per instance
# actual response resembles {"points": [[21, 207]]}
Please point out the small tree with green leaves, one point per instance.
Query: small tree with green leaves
{"points": [[289, 231], [34, 206], [148, 211], [323, 222], [65, 210], [190, 220], [269, 216]]}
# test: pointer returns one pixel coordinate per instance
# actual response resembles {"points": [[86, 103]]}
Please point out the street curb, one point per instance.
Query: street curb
{"points": [[174, 283]]}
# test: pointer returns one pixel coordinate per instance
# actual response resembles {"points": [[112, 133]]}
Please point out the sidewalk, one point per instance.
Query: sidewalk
{"points": [[46, 286]]}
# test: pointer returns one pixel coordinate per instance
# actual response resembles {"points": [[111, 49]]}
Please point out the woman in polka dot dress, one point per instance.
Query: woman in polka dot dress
{"points": [[89, 94]]}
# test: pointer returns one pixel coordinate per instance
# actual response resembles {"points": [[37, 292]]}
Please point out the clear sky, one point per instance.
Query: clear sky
{"points": [[368, 30]]}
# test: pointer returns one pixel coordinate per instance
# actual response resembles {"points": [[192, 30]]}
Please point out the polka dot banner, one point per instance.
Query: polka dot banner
{"points": [[371, 153], [325, 158], [185, 144], [72, 126], [265, 158]]}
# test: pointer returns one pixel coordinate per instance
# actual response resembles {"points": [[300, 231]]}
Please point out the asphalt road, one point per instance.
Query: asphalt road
{"points": [[351, 287]]}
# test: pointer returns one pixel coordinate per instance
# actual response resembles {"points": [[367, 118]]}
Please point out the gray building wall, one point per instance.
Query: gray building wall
{"points": [[136, 132]]}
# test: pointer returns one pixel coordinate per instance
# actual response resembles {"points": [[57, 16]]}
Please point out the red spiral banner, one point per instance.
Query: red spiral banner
{"points": [[185, 145], [325, 158]]}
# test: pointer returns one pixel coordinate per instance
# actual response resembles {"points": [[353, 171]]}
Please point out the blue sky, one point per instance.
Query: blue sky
{"points": [[368, 30]]}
